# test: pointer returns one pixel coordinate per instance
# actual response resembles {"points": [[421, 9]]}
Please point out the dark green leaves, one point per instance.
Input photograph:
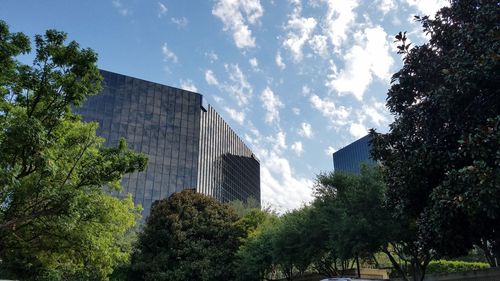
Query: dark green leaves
{"points": [[440, 156], [188, 236]]}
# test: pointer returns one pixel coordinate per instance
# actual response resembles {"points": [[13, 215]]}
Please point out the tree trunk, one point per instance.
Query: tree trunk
{"points": [[488, 255], [357, 266], [496, 255], [395, 264]]}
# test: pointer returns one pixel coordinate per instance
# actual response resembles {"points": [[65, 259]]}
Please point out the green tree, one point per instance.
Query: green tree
{"points": [[252, 219], [243, 207], [290, 242], [57, 221], [441, 156], [255, 255], [357, 223], [188, 236]]}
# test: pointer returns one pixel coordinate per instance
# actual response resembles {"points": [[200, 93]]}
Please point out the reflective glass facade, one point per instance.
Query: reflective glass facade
{"points": [[160, 121], [228, 168], [349, 158]]}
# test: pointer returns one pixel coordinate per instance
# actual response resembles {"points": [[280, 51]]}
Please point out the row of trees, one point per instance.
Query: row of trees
{"points": [[346, 223], [190, 236]]}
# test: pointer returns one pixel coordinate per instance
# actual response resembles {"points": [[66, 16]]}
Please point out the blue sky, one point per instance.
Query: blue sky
{"points": [[296, 79]]}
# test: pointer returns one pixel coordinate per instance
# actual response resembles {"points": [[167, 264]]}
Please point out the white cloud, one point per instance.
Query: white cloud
{"points": [[376, 112], [339, 17], [428, 8], [281, 188], [358, 130], [236, 86], [121, 9], [296, 111], [217, 99], [386, 6], [371, 115], [239, 88], [330, 150], [188, 85], [254, 62], [279, 61], [162, 9], [236, 15], [306, 130], [212, 56], [278, 141], [237, 116], [180, 22], [299, 31], [210, 78], [369, 57], [271, 104], [306, 90], [339, 116], [168, 55], [297, 148], [319, 44]]}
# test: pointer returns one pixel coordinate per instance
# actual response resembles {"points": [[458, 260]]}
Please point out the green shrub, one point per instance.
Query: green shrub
{"points": [[444, 266]]}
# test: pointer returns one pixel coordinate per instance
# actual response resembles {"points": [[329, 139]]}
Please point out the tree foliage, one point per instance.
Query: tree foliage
{"points": [[290, 243], [241, 208], [57, 220], [346, 221], [188, 236], [441, 156], [255, 255], [354, 217]]}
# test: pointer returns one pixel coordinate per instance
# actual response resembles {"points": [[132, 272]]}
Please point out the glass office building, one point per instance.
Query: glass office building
{"points": [[165, 123], [350, 157], [228, 168]]}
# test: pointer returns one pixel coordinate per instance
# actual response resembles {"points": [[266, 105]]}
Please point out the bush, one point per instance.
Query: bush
{"points": [[444, 266]]}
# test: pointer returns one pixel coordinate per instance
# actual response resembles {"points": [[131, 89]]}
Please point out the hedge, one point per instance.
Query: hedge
{"points": [[444, 266]]}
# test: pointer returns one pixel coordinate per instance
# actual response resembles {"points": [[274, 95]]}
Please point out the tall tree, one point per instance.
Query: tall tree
{"points": [[355, 219], [291, 243], [441, 156], [188, 236], [255, 254], [57, 220]]}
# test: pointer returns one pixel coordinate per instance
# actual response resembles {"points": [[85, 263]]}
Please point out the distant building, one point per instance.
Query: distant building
{"points": [[189, 146], [350, 157]]}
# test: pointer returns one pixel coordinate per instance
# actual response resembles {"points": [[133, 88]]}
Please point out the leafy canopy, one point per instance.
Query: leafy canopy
{"points": [[57, 220], [441, 157], [188, 236]]}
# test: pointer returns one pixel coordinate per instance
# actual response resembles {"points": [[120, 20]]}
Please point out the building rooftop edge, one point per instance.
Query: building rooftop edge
{"points": [[202, 106], [350, 144], [149, 81]]}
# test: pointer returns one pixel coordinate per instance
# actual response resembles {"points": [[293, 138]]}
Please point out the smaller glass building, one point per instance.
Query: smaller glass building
{"points": [[349, 158]]}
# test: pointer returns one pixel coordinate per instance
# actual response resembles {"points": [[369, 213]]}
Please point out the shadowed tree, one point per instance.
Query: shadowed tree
{"points": [[441, 156], [188, 236]]}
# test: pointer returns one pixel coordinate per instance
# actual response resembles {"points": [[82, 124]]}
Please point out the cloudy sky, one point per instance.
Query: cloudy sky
{"points": [[296, 79]]}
